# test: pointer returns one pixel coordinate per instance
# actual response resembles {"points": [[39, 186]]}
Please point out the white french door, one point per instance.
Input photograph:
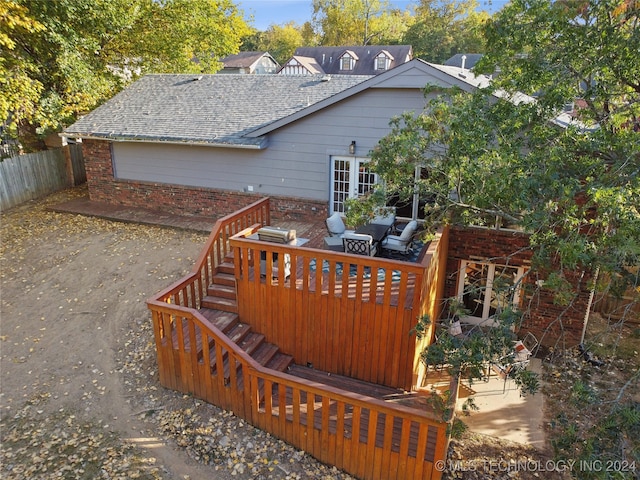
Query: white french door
{"points": [[350, 178]]}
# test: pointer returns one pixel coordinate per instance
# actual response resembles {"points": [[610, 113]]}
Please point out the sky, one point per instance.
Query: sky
{"points": [[268, 12]]}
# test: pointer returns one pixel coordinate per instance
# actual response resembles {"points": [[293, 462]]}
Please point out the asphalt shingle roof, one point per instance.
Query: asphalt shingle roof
{"points": [[242, 59], [208, 109], [329, 57]]}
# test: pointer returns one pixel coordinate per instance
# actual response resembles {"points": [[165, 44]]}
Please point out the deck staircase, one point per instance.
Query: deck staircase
{"points": [[220, 307]]}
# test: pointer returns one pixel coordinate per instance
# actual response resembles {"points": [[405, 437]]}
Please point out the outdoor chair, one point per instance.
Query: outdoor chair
{"points": [[385, 216], [518, 359], [359, 244], [401, 243], [336, 226]]}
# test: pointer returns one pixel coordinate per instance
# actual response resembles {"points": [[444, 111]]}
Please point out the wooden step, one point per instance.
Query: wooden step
{"points": [[248, 341], [239, 332], [265, 352], [221, 278], [280, 362], [344, 383], [227, 267], [251, 342], [220, 303], [223, 321], [223, 291], [187, 339]]}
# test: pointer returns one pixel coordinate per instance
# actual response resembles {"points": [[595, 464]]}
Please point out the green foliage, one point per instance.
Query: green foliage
{"points": [[527, 381], [358, 22], [610, 442], [444, 28], [581, 394], [422, 326], [444, 406], [360, 211], [280, 41], [491, 156], [63, 58], [469, 355]]}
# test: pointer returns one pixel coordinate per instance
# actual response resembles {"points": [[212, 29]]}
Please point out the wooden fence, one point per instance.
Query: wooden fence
{"points": [[33, 175]]}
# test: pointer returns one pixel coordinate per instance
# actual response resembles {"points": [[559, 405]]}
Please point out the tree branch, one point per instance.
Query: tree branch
{"points": [[498, 213]]}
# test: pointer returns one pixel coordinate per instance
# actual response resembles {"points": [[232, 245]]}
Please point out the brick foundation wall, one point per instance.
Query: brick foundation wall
{"points": [[180, 199], [548, 321]]}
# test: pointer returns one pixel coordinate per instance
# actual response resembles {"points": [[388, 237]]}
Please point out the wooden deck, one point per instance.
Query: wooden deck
{"points": [[322, 361]]}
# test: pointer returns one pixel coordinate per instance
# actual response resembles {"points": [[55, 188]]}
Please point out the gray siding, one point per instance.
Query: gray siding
{"points": [[297, 161]]}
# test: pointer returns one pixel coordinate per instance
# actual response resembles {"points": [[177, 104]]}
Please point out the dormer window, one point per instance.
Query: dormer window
{"points": [[383, 61], [348, 61]]}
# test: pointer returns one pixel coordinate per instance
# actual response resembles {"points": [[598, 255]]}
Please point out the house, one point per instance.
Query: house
{"points": [[349, 60], [249, 62], [209, 144], [212, 144], [464, 60]]}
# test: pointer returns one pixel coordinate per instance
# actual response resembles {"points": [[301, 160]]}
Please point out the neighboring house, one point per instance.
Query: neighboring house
{"points": [[464, 60], [301, 66], [347, 60], [250, 62]]}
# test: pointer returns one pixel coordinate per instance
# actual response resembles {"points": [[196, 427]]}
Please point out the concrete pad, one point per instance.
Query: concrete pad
{"points": [[504, 413]]}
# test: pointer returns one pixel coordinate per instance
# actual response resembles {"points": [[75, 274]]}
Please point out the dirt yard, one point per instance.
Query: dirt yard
{"points": [[80, 396]]}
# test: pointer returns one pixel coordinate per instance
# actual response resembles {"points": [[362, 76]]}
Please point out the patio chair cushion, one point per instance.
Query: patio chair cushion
{"points": [[335, 225], [408, 231], [401, 243]]}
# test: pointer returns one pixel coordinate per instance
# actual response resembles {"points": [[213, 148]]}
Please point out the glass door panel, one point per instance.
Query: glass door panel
{"points": [[351, 178]]}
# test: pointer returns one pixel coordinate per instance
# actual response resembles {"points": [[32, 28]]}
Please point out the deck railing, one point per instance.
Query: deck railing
{"points": [[364, 436], [361, 309], [190, 290]]}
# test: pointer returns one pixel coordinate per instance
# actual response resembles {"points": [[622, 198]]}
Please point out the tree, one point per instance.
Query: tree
{"points": [[280, 41], [572, 182], [20, 92], [442, 29], [357, 22], [71, 55], [576, 189]]}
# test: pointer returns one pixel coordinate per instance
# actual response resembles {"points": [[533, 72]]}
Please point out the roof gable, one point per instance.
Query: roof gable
{"points": [[243, 59], [351, 54], [415, 74], [309, 64]]}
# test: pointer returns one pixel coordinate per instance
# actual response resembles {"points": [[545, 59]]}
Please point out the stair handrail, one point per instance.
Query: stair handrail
{"points": [[193, 285], [313, 387], [245, 401]]}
